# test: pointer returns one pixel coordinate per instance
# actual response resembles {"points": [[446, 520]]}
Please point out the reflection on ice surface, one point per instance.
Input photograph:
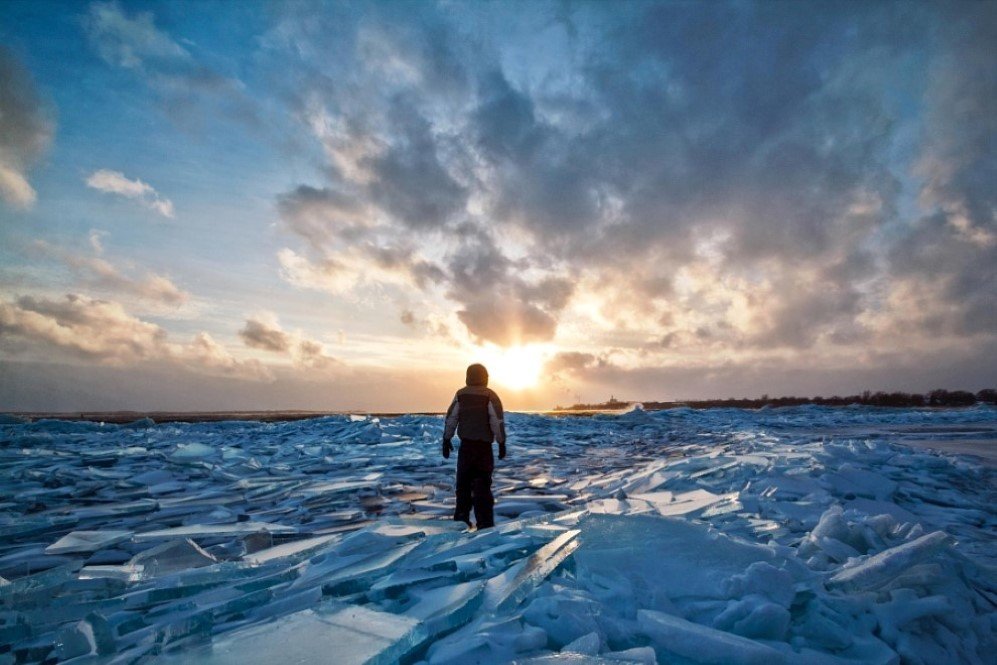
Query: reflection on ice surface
{"points": [[801, 535]]}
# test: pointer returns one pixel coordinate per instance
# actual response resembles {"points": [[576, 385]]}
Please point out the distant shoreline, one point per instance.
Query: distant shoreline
{"points": [[126, 417], [938, 398]]}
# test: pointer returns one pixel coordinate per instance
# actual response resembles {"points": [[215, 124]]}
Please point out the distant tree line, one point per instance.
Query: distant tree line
{"points": [[935, 398]]}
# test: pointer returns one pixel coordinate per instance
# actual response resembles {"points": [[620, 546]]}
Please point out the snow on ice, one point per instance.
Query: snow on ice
{"points": [[800, 535]]}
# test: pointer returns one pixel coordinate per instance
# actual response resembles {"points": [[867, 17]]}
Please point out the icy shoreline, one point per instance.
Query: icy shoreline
{"points": [[787, 535]]}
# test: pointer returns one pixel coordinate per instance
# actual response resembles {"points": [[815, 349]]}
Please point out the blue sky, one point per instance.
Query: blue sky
{"points": [[340, 205]]}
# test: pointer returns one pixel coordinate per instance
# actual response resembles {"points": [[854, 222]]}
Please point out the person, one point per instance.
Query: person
{"points": [[476, 416]]}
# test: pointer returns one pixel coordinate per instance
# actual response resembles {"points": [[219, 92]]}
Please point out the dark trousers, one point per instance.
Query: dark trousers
{"points": [[474, 483]]}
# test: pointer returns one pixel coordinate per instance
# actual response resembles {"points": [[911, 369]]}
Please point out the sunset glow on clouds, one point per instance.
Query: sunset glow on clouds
{"points": [[305, 205]]}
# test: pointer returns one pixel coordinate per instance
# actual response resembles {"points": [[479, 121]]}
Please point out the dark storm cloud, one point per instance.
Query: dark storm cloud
{"points": [[498, 304], [741, 120], [952, 253], [959, 163], [409, 182], [735, 118], [776, 136], [26, 130], [545, 179]]}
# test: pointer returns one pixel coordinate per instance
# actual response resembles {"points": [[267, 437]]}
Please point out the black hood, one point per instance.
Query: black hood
{"points": [[477, 375]]}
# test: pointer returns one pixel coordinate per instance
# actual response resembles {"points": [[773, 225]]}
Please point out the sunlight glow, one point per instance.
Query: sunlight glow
{"points": [[515, 368]]}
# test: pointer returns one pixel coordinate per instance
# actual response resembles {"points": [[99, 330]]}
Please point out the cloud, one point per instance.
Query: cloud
{"points": [[102, 331], [259, 335], [408, 179], [134, 43], [206, 355], [115, 182], [26, 130], [946, 264], [728, 179], [500, 304], [129, 42], [312, 354], [90, 328], [152, 287], [264, 332], [322, 215], [572, 361], [348, 244], [506, 321], [97, 272], [356, 267], [96, 238]]}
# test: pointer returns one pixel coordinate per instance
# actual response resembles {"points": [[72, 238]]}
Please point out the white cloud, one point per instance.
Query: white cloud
{"points": [[349, 270], [83, 326], [102, 331], [97, 240], [151, 289], [15, 188], [204, 353], [115, 182]]}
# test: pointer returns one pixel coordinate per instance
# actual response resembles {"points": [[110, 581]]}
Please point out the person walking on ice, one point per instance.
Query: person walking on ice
{"points": [[477, 418]]}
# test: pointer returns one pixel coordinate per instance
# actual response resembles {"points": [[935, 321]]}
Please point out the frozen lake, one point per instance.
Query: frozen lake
{"points": [[808, 534]]}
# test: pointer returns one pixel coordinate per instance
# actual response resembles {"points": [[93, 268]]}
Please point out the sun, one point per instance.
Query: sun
{"points": [[515, 368]]}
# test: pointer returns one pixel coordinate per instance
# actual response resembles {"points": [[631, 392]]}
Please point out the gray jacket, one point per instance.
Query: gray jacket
{"points": [[475, 414]]}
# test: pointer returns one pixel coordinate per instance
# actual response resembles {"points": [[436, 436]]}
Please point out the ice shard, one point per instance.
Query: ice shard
{"points": [[508, 589], [87, 541], [882, 567], [702, 644], [361, 574], [445, 608], [172, 557], [292, 549], [213, 530], [345, 635]]}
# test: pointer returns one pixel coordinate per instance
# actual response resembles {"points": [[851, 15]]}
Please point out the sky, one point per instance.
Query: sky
{"points": [[303, 205]]}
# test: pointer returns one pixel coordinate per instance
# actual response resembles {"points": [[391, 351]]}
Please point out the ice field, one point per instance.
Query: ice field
{"points": [[799, 535]]}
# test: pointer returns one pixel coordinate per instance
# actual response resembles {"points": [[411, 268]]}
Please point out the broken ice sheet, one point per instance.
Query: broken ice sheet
{"points": [[172, 557], [880, 568], [662, 558], [193, 452], [307, 479], [683, 503], [291, 549], [211, 530], [87, 541], [347, 635], [702, 644], [445, 608], [508, 589]]}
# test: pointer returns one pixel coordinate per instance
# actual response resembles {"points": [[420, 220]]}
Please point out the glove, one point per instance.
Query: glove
{"points": [[502, 450], [447, 447]]}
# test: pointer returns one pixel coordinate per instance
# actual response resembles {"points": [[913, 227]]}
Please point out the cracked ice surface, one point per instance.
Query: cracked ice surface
{"points": [[800, 535]]}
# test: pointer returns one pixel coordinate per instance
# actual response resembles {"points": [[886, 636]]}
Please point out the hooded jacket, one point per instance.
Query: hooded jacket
{"points": [[476, 411]]}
